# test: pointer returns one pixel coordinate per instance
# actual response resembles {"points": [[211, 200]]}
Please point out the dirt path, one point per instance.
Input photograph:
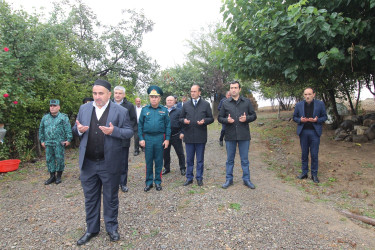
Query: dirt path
{"points": [[274, 215]]}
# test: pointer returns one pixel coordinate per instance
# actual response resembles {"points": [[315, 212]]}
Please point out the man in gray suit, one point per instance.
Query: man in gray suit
{"points": [[102, 126]]}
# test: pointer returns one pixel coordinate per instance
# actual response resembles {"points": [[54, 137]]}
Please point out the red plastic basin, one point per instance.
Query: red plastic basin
{"points": [[9, 165]]}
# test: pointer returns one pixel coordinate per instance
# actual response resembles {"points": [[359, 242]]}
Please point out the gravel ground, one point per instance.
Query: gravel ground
{"points": [[273, 216]]}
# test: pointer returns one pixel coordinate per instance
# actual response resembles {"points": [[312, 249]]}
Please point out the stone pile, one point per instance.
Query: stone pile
{"points": [[357, 129]]}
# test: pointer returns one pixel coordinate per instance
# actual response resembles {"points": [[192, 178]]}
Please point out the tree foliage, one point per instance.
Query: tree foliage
{"points": [[60, 58], [299, 43]]}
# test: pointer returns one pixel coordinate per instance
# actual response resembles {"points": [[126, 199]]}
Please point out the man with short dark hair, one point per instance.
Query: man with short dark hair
{"points": [[175, 141], [102, 126], [119, 98], [55, 134], [195, 115], [236, 113], [310, 115]]}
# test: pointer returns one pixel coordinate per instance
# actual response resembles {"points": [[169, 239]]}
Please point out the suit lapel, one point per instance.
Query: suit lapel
{"points": [[303, 109], [111, 114], [315, 109]]}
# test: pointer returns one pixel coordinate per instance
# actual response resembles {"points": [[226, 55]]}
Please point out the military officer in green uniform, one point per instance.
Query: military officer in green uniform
{"points": [[154, 131], [55, 134]]}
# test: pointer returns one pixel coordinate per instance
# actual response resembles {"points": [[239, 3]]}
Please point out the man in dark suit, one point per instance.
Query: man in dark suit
{"points": [[102, 126], [119, 98], [181, 104], [195, 115], [310, 115]]}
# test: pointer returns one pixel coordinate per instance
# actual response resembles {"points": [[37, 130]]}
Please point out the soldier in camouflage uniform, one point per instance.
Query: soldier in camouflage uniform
{"points": [[55, 134]]}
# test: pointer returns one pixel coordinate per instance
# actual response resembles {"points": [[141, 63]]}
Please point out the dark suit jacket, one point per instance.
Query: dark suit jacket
{"points": [[113, 146], [319, 111], [194, 133], [133, 118]]}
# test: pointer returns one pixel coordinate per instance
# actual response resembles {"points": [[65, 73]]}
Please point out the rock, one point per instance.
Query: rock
{"points": [[347, 125], [341, 135], [260, 124], [370, 116], [368, 122], [370, 133], [360, 138], [337, 131], [349, 138], [360, 129]]}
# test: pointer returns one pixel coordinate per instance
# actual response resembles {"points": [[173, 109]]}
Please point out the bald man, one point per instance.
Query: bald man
{"points": [[175, 141]]}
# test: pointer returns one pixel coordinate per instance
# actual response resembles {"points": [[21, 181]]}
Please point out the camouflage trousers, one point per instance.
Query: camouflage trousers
{"points": [[55, 158]]}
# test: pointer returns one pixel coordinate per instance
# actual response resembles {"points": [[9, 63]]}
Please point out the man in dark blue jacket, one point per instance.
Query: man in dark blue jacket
{"points": [[174, 115], [236, 113], [196, 114], [310, 115]]}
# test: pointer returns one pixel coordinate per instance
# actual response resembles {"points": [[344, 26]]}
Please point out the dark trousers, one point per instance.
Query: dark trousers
{"points": [[176, 142], [95, 177], [136, 142], [222, 132], [192, 150], [124, 172], [309, 141]]}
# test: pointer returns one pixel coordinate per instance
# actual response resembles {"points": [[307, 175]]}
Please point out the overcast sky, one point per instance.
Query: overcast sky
{"points": [[175, 21]]}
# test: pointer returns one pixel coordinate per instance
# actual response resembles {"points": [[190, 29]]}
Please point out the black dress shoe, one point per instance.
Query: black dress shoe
{"points": [[114, 236], [221, 143], [315, 178], [227, 184], [188, 182], [249, 184], [148, 188], [136, 153], [302, 176], [124, 188], [183, 172], [86, 238], [166, 171], [158, 187], [200, 183]]}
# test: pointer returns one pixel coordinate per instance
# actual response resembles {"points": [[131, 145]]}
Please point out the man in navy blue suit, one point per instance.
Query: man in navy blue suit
{"points": [[310, 115], [102, 126]]}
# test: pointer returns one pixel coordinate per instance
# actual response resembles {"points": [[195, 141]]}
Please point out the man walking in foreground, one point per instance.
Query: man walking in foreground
{"points": [[102, 126], [236, 113], [310, 115], [196, 114]]}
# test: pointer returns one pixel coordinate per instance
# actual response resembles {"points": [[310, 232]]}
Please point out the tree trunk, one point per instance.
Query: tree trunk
{"points": [[337, 118], [358, 96], [278, 111], [350, 99], [37, 144]]}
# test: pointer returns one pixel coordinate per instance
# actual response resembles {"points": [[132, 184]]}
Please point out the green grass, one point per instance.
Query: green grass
{"points": [[367, 165], [235, 206]]}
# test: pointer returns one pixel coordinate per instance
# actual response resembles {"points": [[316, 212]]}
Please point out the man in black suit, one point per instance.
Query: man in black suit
{"points": [[195, 115], [120, 99], [102, 126]]}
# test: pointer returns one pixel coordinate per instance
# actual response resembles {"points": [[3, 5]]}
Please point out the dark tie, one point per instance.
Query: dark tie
{"points": [[195, 102]]}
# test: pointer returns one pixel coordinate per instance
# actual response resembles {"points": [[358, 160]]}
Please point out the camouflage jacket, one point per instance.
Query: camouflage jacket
{"points": [[55, 129]]}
